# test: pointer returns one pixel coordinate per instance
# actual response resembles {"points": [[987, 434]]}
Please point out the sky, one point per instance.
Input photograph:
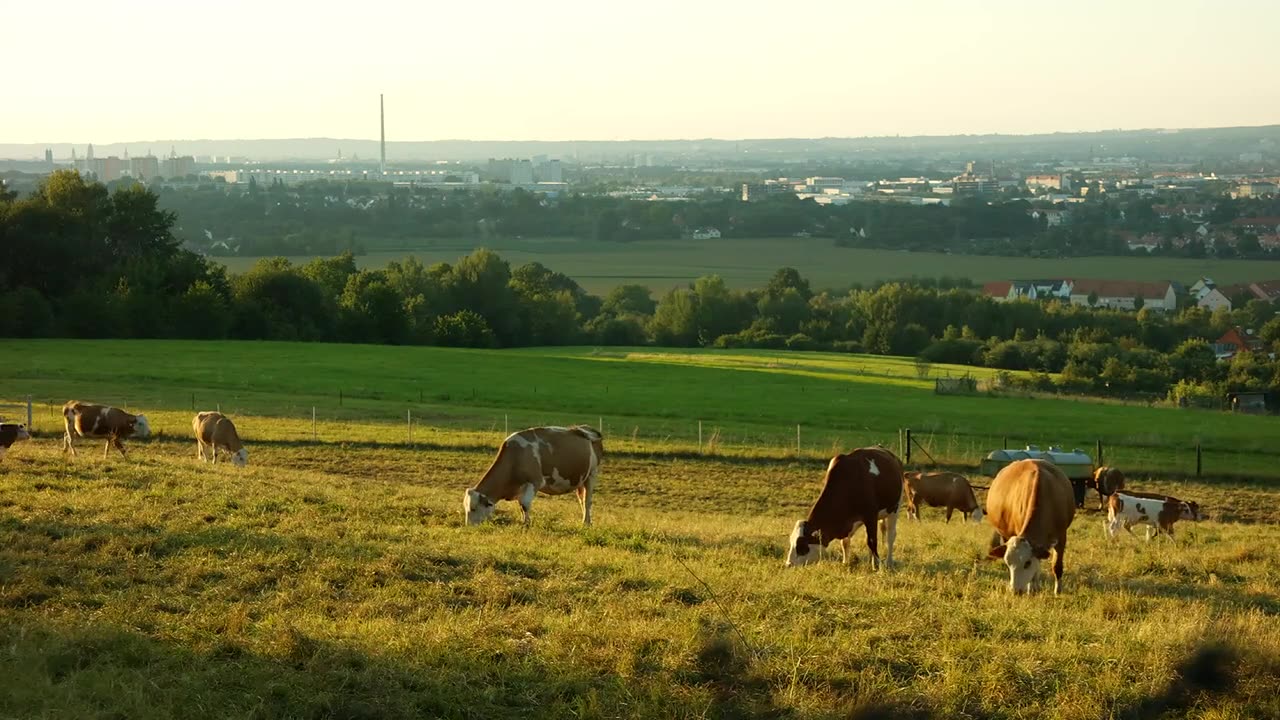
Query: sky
{"points": [[88, 71]]}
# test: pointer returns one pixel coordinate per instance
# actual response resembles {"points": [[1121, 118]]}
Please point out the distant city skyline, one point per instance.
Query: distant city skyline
{"points": [[587, 71]]}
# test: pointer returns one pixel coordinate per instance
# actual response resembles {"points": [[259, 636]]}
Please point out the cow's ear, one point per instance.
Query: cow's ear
{"points": [[996, 552]]}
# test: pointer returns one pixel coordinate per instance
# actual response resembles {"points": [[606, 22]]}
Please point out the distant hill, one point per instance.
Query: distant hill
{"points": [[1164, 144]]}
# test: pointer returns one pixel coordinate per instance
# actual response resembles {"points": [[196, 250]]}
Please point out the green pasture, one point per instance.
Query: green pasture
{"points": [[746, 402], [749, 262]]}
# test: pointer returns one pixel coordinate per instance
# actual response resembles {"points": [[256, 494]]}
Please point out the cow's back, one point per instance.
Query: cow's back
{"points": [[1032, 499]]}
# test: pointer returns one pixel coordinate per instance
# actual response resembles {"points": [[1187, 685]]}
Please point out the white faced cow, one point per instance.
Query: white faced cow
{"points": [[550, 460], [859, 489], [1031, 504], [100, 421], [11, 433], [216, 431], [1158, 512]]}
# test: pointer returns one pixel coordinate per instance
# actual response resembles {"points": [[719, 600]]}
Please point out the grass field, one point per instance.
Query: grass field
{"points": [[336, 580], [749, 402], [745, 263]]}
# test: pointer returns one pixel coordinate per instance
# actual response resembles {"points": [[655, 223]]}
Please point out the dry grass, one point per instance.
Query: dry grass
{"points": [[337, 581]]}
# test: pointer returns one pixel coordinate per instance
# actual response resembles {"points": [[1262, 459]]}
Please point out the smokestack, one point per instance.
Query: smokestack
{"points": [[382, 123]]}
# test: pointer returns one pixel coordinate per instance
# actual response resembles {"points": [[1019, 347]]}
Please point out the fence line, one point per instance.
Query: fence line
{"points": [[951, 449]]}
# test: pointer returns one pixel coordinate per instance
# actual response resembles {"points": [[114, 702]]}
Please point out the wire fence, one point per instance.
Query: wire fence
{"points": [[370, 420]]}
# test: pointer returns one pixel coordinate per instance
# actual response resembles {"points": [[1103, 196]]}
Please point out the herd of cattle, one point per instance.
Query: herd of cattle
{"points": [[1030, 503]]}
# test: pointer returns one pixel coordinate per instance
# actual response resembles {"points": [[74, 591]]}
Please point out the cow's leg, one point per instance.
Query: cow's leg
{"points": [[846, 549], [585, 491], [106, 449], [66, 442], [870, 521], [119, 446], [890, 527], [949, 511], [1150, 534], [527, 493], [1058, 553]]}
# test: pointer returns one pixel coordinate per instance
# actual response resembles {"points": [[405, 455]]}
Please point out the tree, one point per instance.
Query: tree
{"points": [[463, 329], [629, 300], [675, 320]]}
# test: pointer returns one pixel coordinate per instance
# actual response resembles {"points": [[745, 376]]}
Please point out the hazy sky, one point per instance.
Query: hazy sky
{"points": [[93, 71]]}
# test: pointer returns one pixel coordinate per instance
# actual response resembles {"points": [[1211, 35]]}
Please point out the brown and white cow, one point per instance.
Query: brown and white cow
{"points": [[550, 460], [1158, 512], [941, 489], [100, 421], [11, 433], [215, 430], [859, 489], [1031, 505], [1106, 481]]}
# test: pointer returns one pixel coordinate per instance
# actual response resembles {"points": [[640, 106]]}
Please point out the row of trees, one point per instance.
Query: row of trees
{"points": [[97, 264]]}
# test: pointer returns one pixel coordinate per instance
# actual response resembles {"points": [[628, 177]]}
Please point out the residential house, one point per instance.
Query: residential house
{"points": [[1265, 290], [1049, 182], [1052, 216], [706, 234], [1028, 289], [1213, 299], [999, 290], [1235, 341], [1255, 189], [1125, 294], [1269, 225]]}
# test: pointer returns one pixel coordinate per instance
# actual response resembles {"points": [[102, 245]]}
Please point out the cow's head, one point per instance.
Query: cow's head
{"points": [[476, 507], [141, 428], [977, 515], [1191, 511], [19, 431], [240, 458], [802, 547], [1023, 561]]}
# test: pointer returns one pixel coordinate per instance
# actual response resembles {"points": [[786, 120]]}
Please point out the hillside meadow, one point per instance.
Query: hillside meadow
{"points": [[747, 402], [750, 262], [335, 580]]}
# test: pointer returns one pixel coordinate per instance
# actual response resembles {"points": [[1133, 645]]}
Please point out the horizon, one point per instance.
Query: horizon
{"points": [[572, 71]]}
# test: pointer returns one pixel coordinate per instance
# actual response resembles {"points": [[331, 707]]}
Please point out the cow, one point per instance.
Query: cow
{"points": [[1106, 481], [859, 488], [11, 433], [550, 460], [1158, 512], [215, 430], [100, 421], [941, 489], [1031, 505]]}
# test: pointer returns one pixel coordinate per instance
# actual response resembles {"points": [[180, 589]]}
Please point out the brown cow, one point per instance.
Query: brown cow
{"points": [[550, 460], [89, 420], [1031, 505], [1106, 481], [1158, 512], [215, 430], [859, 488], [11, 433], [941, 489]]}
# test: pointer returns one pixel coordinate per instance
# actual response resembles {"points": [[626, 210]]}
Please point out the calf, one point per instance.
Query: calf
{"points": [[11, 433], [548, 460], [1157, 512], [215, 430], [859, 489], [941, 489], [100, 421], [1031, 505], [1106, 481]]}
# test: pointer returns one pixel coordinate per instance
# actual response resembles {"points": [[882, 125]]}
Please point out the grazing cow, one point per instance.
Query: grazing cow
{"points": [[1106, 481], [941, 489], [859, 488], [1031, 505], [551, 460], [11, 433], [90, 421], [1158, 512], [215, 430]]}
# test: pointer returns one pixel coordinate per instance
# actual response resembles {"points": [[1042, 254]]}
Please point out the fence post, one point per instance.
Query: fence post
{"points": [[506, 430], [1099, 453], [408, 418], [1004, 445], [339, 398], [797, 438], [315, 435], [699, 436], [908, 452], [600, 426], [1199, 459], [29, 413], [193, 401]]}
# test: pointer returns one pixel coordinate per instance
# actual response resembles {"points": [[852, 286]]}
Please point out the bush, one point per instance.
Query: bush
{"points": [[463, 329], [26, 314], [800, 341]]}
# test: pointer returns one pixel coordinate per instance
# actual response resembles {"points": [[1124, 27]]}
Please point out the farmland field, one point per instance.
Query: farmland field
{"points": [[334, 579], [745, 263]]}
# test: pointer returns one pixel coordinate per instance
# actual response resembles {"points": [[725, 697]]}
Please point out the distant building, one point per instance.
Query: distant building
{"points": [[1048, 182], [144, 168], [755, 192], [1258, 224], [1255, 190], [1052, 216], [1124, 294], [1213, 299], [999, 290], [522, 172], [179, 166], [971, 183], [545, 170], [706, 233], [1235, 341]]}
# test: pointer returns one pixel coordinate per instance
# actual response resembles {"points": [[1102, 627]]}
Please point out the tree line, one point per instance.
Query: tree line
{"points": [[93, 263]]}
